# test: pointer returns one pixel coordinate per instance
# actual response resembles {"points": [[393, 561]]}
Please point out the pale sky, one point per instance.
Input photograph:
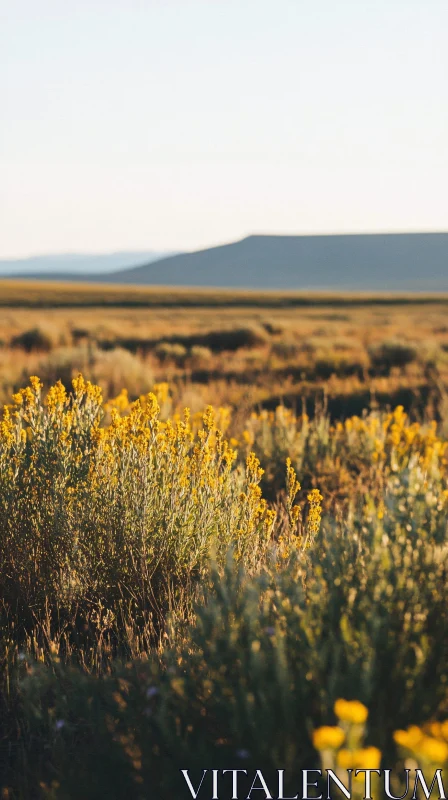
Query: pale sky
{"points": [[180, 124]]}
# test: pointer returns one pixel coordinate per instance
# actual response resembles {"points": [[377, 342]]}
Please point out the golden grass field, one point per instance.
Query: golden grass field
{"points": [[330, 344], [45, 294]]}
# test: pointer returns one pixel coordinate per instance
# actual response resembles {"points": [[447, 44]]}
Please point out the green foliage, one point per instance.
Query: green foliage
{"points": [[363, 616]]}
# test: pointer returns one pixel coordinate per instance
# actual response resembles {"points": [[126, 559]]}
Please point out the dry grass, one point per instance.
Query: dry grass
{"points": [[215, 348], [44, 294]]}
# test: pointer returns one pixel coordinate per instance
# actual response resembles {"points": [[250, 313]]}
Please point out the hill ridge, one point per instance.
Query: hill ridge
{"points": [[415, 261], [264, 261]]}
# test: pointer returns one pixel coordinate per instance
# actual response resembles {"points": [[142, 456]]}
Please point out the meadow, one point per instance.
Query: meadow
{"points": [[223, 537], [228, 348]]}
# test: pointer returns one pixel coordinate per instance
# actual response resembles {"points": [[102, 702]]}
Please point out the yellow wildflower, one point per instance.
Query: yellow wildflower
{"points": [[350, 711], [328, 737], [434, 750], [36, 384], [315, 512], [363, 758], [410, 739]]}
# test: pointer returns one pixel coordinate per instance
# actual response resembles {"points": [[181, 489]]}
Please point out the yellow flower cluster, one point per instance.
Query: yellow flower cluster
{"points": [[402, 466], [292, 488], [328, 737], [314, 515], [296, 540], [159, 494], [329, 740], [429, 743], [388, 440], [391, 438], [363, 758], [351, 711], [174, 487]]}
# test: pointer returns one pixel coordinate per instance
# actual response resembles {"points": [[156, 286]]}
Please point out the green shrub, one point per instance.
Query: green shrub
{"points": [[363, 616]]}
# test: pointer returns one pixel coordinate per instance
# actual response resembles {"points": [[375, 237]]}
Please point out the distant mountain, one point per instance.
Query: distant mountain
{"points": [[417, 261], [369, 262], [65, 265]]}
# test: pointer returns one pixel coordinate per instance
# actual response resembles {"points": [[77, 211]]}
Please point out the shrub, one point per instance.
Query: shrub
{"points": [[266, 661], [347, 457], [217, 341], [430, 353], [286, 349], [79, 333], [116, 516], [200, 354], [273, 327], [333, 363], [33, 340], [392, 353], [342, 343], [117, 368], [111, 369], [166, 351], [233, 339]]}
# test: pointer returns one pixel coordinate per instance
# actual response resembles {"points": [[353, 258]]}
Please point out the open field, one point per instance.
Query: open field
{"points": [[201, 588], [48, 294], [394, 347]]}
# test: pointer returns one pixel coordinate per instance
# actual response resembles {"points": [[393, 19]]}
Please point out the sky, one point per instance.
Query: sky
{"points": [[181, 124]]}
